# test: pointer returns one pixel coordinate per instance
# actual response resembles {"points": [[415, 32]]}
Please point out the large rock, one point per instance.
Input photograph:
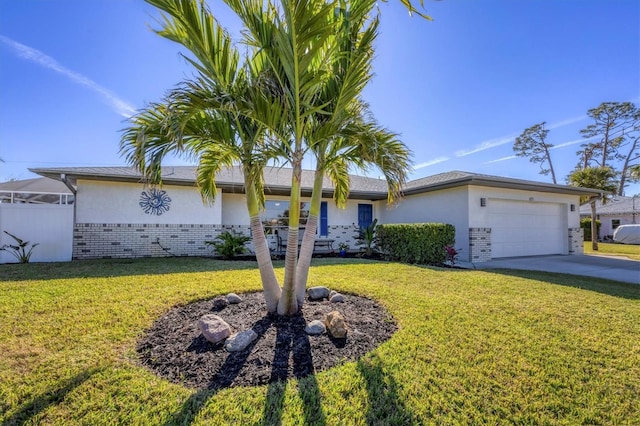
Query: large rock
{"points": [[239, 341], [233, 298], [318, 292], [315, 327], [336, 298], [214, 328], [334, 321]]}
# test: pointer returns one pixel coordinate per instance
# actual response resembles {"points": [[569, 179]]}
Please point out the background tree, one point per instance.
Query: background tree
{"points": [[614, 125], [630, 152], [602, 178], [532, 144]]}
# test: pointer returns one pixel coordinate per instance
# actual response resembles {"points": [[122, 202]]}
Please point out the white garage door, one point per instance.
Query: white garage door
{"points": [[526, 228]]}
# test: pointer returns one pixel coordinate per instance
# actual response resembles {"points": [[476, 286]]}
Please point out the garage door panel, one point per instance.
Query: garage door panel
{"points": [[521, 228]]}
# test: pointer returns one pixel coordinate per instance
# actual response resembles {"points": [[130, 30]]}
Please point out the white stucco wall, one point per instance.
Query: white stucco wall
{"points": [[235, 210], [115, 202], [447, 206], [478, 216]]}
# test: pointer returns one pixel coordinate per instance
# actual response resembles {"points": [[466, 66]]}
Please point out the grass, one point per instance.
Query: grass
{"points": [[474, 347], [611, 249]]}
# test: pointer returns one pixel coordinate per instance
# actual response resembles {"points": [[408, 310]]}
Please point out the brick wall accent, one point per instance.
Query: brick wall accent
{"points": [[344, 234], [479, 244], [118, 240], [576, 240]]}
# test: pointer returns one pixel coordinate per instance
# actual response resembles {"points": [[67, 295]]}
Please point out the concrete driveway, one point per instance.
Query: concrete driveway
{"points": [[613, 268]]}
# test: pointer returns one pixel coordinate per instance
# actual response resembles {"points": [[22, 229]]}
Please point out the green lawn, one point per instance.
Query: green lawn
{"points": [[474, 347], [610, 249]]}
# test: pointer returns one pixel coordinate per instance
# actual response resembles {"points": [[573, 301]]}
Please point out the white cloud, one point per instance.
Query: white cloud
{"points": [[430, 163], [573, 142], [120, 106], [492, 143], [511, 157], [486, 145]]}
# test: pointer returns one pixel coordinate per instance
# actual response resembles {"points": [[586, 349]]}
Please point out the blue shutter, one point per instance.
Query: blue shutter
{"points": [[324, 219], [365, 215]]}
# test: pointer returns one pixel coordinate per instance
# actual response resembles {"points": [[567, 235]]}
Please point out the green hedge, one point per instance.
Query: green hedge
{"points": [[421, 243], [585, 224]]}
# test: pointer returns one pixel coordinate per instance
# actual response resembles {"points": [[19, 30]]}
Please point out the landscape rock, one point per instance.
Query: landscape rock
{"points": [[334, 321], [239, 341], [233, 298], [214, 328], [331, 293], [315, 327], [318, 292], [219, 303], [336, 298]]}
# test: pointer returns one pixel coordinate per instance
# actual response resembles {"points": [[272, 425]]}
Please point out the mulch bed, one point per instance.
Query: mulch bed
{"points": [[175, 349]]}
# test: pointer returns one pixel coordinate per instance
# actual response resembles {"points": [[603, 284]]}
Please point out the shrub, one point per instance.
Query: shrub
{"points": [[421, 243], [366, 237], [19, 251], [585, 224], [229, 245]]}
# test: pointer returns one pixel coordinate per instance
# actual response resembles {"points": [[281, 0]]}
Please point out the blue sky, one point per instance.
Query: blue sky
{"points": [[458, 89]]}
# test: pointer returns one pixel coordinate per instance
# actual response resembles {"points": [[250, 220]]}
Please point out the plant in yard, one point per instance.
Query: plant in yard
{"points": [[296, 91], [21, 250], [451, 254], [343, 246], [366, 236], [229, 244]]}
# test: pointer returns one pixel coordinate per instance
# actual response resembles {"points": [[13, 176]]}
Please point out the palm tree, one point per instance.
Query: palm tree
{"points": [[286, 100], [198, 120], [598, 178]]}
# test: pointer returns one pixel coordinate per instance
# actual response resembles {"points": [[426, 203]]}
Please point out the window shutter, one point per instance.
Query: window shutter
{"points": [[324, 222]]}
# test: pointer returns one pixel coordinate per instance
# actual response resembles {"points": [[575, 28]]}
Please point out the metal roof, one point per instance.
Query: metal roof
{"points": [[278, 181], [613, 206]]}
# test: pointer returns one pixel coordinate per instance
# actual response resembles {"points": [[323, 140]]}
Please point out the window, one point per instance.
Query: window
{"points": [[615, 223], [276, 215]]}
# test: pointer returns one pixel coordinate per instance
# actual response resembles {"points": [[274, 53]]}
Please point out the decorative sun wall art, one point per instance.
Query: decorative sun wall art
{"points": [[155, 201]]}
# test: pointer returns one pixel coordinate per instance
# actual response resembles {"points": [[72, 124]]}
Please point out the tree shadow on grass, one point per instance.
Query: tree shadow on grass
{"points": [[385, 404], [598, 285], [292, 341], [51, 397]]}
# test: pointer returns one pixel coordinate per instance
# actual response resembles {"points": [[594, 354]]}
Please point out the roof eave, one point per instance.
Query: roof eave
{"points": [[495, 183]]}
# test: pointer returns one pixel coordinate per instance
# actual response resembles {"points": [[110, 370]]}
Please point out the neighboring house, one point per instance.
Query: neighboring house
{"points": [[614, 212], [35, 191], [117, 216]]}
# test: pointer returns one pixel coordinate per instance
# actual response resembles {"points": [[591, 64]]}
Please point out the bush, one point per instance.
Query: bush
{"points": [[229, 245], [20, 250], [421, 243], [585, 224]]}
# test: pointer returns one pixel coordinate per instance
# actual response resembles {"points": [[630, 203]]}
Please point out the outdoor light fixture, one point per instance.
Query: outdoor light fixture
{"points": [[573, 207], [483, 202]]}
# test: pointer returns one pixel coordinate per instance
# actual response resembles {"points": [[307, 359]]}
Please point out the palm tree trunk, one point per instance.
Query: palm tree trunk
{"points": [[594, 226], [288, 304], [270, 285], [308, 241]]}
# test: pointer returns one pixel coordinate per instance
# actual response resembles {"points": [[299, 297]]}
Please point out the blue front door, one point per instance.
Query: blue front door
{"points": [[365, 215]]}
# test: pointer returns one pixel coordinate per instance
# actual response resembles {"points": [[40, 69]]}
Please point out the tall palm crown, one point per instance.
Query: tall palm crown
{"points": [[296, 92]]}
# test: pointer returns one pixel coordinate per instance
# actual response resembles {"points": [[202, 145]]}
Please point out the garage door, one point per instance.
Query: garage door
{"points": [[526, 228]]}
